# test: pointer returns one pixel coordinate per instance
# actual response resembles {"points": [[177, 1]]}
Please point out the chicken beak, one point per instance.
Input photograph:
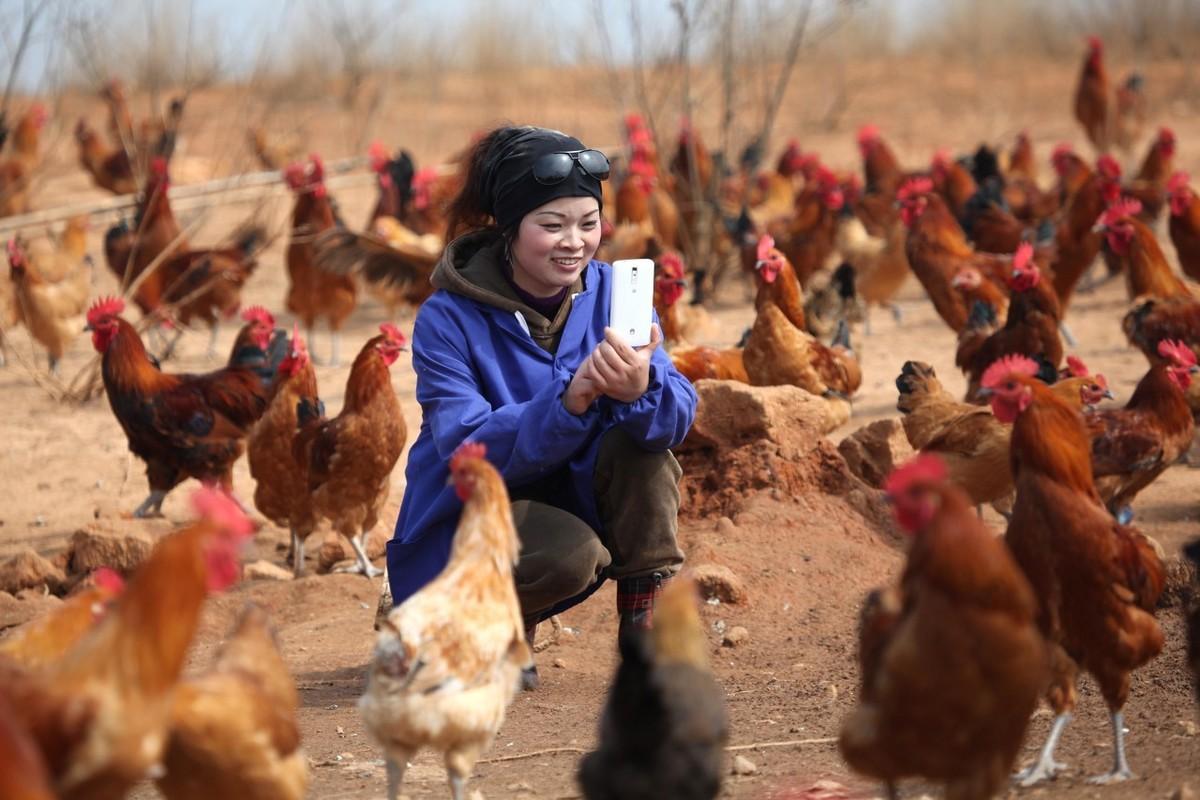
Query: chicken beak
{"points": [[88, 328], [759, 264], [1109, 395], [984, 393], [1099, 227]]}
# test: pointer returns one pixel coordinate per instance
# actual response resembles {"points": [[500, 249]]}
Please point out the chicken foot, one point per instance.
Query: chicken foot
{"points": [[210, 353], [151, 506], [297, 554], [1046, 767], [364, 564], [1068, 337], [1120, 771]]}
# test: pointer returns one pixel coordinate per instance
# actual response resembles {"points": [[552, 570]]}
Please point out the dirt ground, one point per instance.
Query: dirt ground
{"points": [[791, 683]]}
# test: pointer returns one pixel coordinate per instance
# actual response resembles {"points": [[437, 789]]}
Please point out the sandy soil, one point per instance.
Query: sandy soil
{"points": [[66, 466]]}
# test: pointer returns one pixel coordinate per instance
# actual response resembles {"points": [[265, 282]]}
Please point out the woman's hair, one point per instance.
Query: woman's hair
{"points": [[470, 209], [501, 184]]}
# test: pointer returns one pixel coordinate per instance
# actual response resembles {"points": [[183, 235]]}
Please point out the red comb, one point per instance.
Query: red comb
{"points": [[424, 177], [260, 315], [765, 245], [1101, 381], [377, 152], [105, 307], [218, 508], [1124, 207], [925, 468], [392, 333], [1003, 367], [868, 133], [1023, 257], [294, 175], [1177, 351], [158, 167], [914, 186], [633, 121], [467, 451], [1177, 182], [318, 167], [14, 251], [941, 157], [1108, 167], [672, 264], [107, 578], [1166, 136], [1076, 367]]}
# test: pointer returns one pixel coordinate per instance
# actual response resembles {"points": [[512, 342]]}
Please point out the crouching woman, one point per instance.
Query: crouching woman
{"points": [[512, 351]]}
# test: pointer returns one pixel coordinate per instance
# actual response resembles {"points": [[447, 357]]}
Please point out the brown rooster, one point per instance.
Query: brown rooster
{"points": [[281, 481], [1133, 243], [1132, 446], [1097, 581], [1184, 225], [951, 658], [1091, 96], [312, 292], [349, 459], [100, 713]]}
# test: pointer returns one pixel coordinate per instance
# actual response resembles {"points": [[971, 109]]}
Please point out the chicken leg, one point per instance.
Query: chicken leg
{"points": [[151, 506], [395, 774], [1046, 767], [1120, 771], [297, 554], [364, 564], [335, 346], [211, 352]]}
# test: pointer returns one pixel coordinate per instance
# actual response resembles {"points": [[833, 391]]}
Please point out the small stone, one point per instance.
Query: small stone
{"points": [[28, 570], [743, 766], [520, 786], [725, 526], [1185, 792], [719, 626], [475, 795], [715, 580], [39, 521], [1189, 727], [266, 571], [341, 731], [874, 450], [735, 636]]}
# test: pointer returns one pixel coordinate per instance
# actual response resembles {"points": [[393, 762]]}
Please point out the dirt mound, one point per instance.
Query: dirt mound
{"points": [[750, 439]]}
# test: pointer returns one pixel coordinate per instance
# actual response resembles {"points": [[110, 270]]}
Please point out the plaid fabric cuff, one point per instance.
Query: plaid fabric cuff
{"points": [[635, 598]]}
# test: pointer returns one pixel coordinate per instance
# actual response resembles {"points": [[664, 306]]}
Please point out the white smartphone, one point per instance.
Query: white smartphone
{"points": [[631, 310]]}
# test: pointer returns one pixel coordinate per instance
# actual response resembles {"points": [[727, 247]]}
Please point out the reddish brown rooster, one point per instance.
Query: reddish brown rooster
{"points": [[1097, 581], [881, 170]]}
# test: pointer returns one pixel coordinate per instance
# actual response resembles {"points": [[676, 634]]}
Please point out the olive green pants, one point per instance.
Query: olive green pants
{"points": [[637, 496]]}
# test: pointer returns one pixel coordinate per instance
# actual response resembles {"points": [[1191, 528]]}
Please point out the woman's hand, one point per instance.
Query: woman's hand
{"points": [[620, 371], [582, 391]]}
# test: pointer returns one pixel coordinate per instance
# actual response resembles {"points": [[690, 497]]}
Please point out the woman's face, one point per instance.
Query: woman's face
{"points": [[554, 243]]}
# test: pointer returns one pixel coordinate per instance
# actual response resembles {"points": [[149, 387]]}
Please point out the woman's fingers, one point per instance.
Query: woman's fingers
{"points": [[622, 348]]}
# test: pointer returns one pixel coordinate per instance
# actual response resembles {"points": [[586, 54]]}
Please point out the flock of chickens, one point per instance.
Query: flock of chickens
{"points": [[93, 701]]}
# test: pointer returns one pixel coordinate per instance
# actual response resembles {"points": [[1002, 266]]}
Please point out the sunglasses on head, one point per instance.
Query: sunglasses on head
{"points": [[554, 168]]}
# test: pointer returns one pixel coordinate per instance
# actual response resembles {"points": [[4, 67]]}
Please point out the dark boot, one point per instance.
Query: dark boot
{"points": [[635, 601]]}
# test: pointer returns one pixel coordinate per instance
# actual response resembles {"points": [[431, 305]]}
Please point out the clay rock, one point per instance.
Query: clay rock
{"points": [[265, 570], [94, 547], [14, 612], [735, 637], [335, 549], [874, 450], [743, 766], [715, 580], [732, 414], [28, 570]]}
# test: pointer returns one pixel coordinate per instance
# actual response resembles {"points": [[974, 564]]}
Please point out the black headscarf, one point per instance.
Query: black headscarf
{"points": [[510, 189]]}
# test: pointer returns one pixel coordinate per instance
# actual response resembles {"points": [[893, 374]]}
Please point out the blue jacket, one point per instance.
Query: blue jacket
{"points": [[480, 376]]}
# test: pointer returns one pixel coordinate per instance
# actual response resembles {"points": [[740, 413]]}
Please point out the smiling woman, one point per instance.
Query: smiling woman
{"points": [[513, 351]]}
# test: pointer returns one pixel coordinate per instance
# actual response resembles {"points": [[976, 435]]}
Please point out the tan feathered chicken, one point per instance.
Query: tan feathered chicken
{"points": [[447, 659], [53, 310], [233, 730]]}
